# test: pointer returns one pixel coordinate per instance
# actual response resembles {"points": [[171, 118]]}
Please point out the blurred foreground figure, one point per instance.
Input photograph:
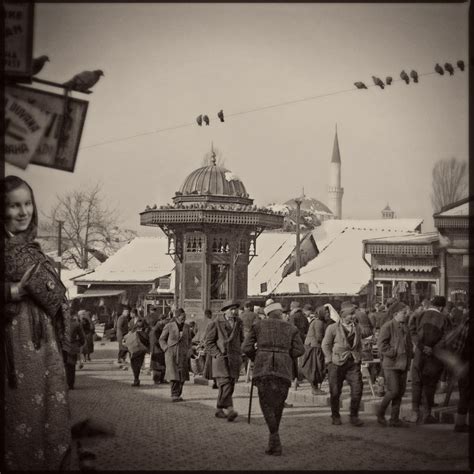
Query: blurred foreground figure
{"points": [[36, 322]]}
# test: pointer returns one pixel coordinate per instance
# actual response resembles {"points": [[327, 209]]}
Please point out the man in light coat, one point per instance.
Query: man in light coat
{"points": [[223, 339], [342, 347], [175, 341], [397, 350]]}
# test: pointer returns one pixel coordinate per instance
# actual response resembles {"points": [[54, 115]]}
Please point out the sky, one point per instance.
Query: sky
{"points": [[165, 64]]}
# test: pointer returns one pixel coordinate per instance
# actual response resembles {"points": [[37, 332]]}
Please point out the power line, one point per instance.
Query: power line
{"points": [[243, 112]]}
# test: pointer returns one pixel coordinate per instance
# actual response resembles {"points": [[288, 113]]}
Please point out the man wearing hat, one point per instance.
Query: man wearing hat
{"points": [[223, 339], [395, 345], [273, 344], [426, 368], [342, 347]]}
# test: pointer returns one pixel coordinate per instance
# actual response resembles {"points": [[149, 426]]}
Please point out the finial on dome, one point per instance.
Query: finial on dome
{"points": [[213, 154]]}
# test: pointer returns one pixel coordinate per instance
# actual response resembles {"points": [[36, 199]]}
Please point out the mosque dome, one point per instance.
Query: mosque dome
{"points": [[311, 205]]}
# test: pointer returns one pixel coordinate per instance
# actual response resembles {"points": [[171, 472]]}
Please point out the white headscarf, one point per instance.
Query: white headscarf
{"points": [[333, 314]]}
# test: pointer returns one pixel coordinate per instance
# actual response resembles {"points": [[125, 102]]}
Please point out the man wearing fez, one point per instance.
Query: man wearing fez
{"points": [[395, 345], [426, 369], [273, 344], [342, 347], [223, 339]]}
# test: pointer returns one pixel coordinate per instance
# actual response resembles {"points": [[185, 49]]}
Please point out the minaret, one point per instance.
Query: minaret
{"points": [[335, 191]]}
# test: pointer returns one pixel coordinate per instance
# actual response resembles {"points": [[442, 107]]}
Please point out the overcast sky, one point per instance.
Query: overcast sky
{"points": [[165, 64]]}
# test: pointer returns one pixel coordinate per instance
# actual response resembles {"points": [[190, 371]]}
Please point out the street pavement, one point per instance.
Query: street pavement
{"points": [[152, 433]]}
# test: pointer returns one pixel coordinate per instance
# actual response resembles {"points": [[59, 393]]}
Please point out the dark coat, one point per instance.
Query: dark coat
{"points": [[223, 343], [157, 354], [122, 329], [177, 350], [395, 345], [248, 319], [74, 340], [278, 345], [300, 321]]}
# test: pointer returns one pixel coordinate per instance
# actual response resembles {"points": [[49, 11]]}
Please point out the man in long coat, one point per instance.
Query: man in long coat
{"points": [[157, 362], [175, 341], [273, 344], [223, 339], [122, 330]]}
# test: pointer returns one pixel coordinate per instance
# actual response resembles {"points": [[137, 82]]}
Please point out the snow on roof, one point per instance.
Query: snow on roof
{"points": [[273, 250], [339, 268], [461, 210], [330, 229], [426, 238], [142, 260]]}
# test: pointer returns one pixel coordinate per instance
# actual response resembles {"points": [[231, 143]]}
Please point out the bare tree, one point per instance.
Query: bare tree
{"points": [[88, 226], [450, 182]]}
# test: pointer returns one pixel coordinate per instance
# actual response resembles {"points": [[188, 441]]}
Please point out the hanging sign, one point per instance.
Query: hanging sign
{"points": [[60, 142], [18, 36], [25, 125]]}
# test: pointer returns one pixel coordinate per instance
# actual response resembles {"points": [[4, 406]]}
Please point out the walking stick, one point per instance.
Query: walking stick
{"points": [[250, 400]]}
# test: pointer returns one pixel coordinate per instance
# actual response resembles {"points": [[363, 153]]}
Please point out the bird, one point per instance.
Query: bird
{"points": [[388, 80], [206, 119], [220, 115], [449, 68], [360, 85], [38, 64], [83, 81], [460, 64], [405, 77], [199, 120], [378, 82], [414, 75], [439, 69]]}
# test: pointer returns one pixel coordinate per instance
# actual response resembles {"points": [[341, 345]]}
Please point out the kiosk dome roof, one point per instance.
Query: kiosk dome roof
{"points": [[214, 180]]}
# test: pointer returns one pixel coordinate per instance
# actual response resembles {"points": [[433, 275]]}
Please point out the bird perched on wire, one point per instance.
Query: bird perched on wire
{"points": [[83, 81], [360, 85], [205, 118], [460, 65], [439, 69], [38, 64], [405, 77], [414, 75], [220, 115], [449, 68], [378, 82], [388, 80], [199, 120]]}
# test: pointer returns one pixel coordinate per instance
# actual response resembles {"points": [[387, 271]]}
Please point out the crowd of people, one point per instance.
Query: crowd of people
{"points": [[284, 346], [44, 342]]}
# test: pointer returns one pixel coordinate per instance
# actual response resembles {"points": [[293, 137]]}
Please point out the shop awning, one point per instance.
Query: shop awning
{"points": [[95, 293]]}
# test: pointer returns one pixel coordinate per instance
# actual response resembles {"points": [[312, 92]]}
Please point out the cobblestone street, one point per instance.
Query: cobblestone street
{"points": [[154, 434]]}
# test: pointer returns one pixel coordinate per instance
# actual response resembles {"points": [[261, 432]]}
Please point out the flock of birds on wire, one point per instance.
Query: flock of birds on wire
{"points": [[448, 67], [83, 81]]}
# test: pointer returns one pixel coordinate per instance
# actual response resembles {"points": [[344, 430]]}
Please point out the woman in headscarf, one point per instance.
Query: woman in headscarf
{"points": [[312, 366], [37, 420]]}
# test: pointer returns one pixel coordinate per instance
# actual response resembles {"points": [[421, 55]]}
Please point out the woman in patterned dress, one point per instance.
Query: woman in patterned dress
{"points": [[37, 418]]}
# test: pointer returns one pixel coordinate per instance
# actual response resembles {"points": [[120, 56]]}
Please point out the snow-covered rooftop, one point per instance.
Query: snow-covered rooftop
{"points": [[425, 238], [273, 250], [142, 260], [339, 268], [461, 210]]}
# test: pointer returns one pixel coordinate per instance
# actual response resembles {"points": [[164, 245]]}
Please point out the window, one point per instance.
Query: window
{"points": [[192, 281], [219, 282], [263, 287]]}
